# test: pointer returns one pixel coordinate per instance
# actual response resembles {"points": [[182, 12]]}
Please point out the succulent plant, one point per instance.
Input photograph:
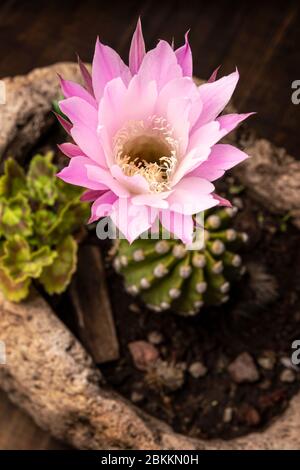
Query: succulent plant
{"points": [[167, 275], [38, 216]]}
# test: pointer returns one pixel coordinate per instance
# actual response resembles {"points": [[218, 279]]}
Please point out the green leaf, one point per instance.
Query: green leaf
{"points": [[20, 263], [44, 221], [58, 110], [41, 179], [15, 217], [70, 218], [15, 291], [13, 181], [56, 278]]}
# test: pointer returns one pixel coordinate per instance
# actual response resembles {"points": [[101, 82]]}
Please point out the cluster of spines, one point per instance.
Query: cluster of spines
{"points": [[167, 275]]}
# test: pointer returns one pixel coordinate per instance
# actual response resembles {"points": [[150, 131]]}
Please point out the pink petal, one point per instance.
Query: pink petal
{"points": [[135, 184], [177, 224], [215, 96], [91, 195], [177, 115], [185, 58], [70, 150], [222, 201], [70, 89], [97, 174], [132, 220], [191, 195], [160, 64], [89, 142], [229, 122], [137, 49], [222, 158], [183, 87], [76, 173], [64, 123], [80, 112], [102, 206], [152, 200], [86, 77], [107, 64], [192, 160], [213, 76], [208, 134]]}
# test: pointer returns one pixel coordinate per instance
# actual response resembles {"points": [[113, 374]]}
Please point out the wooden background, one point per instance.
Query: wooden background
{"points": [[262, 39]]}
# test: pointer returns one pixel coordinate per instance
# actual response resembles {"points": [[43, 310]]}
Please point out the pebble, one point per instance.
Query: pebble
{"points": [[267, 361], [287, 376], [144, 354], [155, 337], [137, 397], [227, 415], [243, 369], [249, 415], [134, 308], [197, 370]]}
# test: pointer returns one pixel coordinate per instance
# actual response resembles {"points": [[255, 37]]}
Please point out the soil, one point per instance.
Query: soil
{"points": [[262, 319]]}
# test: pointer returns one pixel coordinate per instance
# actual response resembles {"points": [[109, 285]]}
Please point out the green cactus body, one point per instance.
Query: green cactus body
{"points": [[167, 275]]}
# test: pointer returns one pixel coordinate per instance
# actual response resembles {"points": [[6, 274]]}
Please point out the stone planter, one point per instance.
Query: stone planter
{"points": [[48, 372]]}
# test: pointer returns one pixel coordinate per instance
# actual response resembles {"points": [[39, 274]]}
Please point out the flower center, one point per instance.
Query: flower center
{"points": [[148, 148]]}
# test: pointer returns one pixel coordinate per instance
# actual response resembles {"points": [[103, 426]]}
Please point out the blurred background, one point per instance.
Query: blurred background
{"points": [[261, 38]]}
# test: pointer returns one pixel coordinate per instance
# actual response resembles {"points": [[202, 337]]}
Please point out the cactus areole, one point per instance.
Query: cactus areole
{"points": [[168, 276]]}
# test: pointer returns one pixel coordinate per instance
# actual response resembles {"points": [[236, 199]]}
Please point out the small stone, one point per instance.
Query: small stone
{"points": [[249, 415], [166, 375], [287, 376], [227, 415], [134, 308], [214, 403], [265, 385], [267, 361], [243, 369], [144, 354], [155, 337], [136, 397], [197, 370]]}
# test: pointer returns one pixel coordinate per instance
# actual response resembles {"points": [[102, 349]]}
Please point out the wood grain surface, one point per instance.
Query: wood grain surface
{"points": [[261, 38]]}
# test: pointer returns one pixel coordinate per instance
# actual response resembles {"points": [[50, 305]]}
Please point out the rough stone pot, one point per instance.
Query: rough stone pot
{"points": [[48, 372]]}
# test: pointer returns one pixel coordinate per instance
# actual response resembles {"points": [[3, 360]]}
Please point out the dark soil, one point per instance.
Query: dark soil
{"points": [[262, 318]]}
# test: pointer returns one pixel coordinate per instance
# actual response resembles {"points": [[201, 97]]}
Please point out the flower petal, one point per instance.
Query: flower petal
{"points": [[135, 184], [70, 150], [97, 174], [180, 225], [64, 123], [228, 122], [76, 173], [91, 195], [70, 89], [86, 77], [215, 96], [192, 195], [160, 64], [222, 158], [132, 220], [102, 206], [137, 49], [107, 64], [185, 58], [89, 142], [80, 112]]}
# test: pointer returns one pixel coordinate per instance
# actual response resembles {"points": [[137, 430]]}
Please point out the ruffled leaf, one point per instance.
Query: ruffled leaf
{"points": [[20, 263], [13, 181], [15, 291], [15, 217], [41, 179], [56, 278]]}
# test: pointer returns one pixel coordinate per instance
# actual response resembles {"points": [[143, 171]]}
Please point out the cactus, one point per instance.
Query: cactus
{"points": [[38, 216], [168, 276]]}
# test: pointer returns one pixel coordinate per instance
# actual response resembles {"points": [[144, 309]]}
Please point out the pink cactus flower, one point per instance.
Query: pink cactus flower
{"points": [[146, 137]]}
